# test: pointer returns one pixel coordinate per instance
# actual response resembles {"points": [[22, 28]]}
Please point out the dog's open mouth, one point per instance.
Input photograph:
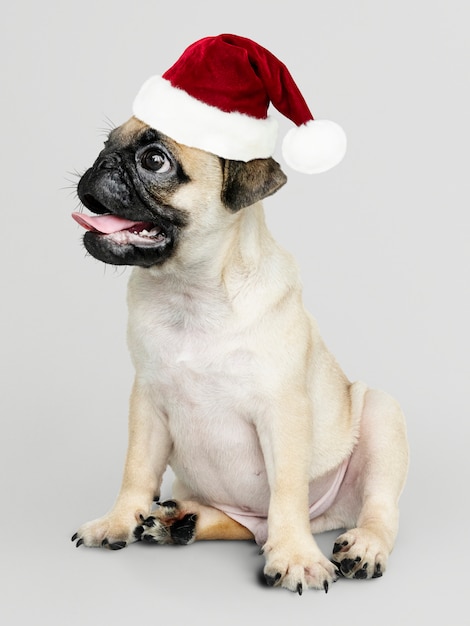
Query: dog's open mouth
{"points": [[122, 231]]}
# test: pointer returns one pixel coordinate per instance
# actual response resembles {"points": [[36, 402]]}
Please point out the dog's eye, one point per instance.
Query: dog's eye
{"points": [[155, 161]]}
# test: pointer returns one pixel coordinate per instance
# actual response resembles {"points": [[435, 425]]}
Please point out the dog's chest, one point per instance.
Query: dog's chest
{"points": [[189, 347], [196, 362], [206, 382], [203, 379]]}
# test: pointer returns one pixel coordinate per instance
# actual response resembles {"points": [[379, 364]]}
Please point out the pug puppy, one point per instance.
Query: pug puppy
{"points": [[234, 388]]}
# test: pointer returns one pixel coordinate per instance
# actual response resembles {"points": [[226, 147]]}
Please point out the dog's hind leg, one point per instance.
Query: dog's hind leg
{"points": [[379, 465], [183, 522]]}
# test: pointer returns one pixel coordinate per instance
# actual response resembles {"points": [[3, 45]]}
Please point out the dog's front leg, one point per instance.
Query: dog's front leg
{"points": [[293, 559], [147, 457]]}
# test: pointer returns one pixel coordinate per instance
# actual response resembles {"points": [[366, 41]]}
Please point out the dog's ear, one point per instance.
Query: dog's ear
{"points": [[246, 183]]}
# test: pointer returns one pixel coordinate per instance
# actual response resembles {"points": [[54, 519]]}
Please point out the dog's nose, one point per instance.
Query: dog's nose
{"points": [[108, 161]]}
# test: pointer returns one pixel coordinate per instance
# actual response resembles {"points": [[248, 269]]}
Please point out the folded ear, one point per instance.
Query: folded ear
{"points": [[246, 183]]}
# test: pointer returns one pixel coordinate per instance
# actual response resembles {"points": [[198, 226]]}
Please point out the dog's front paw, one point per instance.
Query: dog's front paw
{"points": [[298, 566], [360, 553], [169, 523], [113, 531]]}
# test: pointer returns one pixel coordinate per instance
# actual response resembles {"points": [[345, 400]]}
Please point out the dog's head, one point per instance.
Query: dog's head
{"points": [[154, 196]]}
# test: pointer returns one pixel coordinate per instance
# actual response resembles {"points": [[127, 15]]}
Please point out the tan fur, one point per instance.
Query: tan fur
{"points": [[212, 524], [221, 327]]}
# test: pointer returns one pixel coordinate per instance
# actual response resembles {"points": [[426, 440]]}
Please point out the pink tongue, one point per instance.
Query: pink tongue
{"points": [[103, 223]]}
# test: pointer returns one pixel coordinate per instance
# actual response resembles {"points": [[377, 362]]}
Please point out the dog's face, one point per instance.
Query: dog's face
{"points": [[175, 195]]}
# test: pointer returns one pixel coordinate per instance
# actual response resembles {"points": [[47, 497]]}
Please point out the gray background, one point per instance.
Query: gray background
{"points": [[383, 246]]}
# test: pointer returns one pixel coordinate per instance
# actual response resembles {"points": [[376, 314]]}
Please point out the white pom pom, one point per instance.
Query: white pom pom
{"points": [[314, 147]]}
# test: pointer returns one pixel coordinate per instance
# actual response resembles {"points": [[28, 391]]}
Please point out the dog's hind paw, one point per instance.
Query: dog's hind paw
{"points": [[360, 553], [167, 524]]}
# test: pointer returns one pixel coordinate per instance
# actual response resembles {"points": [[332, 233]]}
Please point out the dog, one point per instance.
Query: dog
{"points": [[234, 388]]}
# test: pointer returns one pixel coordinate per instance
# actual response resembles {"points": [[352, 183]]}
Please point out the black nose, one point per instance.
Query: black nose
{"points": [[91, 192], [93, 203], [106, 187]]}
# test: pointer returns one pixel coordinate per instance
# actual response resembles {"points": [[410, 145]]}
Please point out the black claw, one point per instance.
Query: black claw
{"points": [[338, 571], [104, 543], [118, 545], [272, 580], [299, 589], [74, 537], [157, 499], [261, 551], [170, 504], [378, 571], [325, 586], [79, 542]]}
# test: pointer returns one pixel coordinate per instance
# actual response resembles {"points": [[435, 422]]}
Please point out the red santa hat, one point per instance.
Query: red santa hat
{"points": [[216, 98]]}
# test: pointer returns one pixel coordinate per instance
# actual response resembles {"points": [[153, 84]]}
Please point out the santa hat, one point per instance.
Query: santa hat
{"points": [[216, 98]]}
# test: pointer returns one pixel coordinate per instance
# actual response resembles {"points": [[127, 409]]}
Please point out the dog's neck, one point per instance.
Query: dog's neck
{"points": [[238, 247], [238, 262]]}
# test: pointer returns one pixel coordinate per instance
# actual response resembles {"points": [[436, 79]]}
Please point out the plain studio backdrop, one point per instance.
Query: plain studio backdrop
{"points": [[382, 242]]}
